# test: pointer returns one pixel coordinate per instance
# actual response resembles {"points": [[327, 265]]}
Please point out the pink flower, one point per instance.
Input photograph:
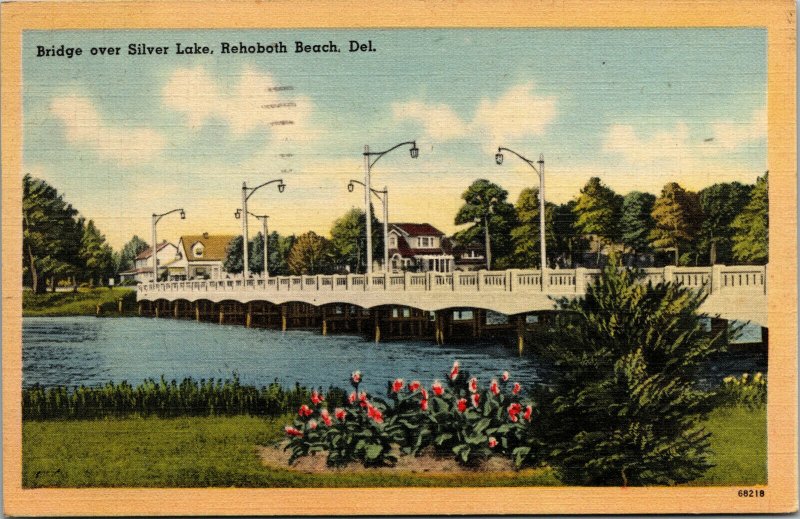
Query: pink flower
{"points": [[528, 412], [316, 398], [462, 405], [362, 398], [356, 377], [494, 387], [513, 410], [352, 398], [312, 424], [517, 388], [413, 386], [326, 417], [304, 410], [397, 385], [437, 388], [291, 431], [340, 414], [423, 405], [374, 413], [492, 442], [476, 399], [505, 376], [473, 385], [424, 393], [454, 371]]}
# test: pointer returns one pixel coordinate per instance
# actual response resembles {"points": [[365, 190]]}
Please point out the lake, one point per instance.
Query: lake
{"points": [[90, 351]]}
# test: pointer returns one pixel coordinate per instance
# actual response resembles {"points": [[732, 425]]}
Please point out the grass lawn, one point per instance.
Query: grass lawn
{"points": [[221, 452], [82, 302]]}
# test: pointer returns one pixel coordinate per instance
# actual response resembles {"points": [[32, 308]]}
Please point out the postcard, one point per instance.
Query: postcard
{"points": [[350, 258]]}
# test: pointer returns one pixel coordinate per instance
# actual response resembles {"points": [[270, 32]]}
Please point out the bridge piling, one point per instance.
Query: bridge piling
{"points": [[377, 320], [521, 334], [283, 318], [249, 316]]}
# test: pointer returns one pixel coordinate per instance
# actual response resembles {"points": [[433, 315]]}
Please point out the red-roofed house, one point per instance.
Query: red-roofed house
{"points": [[142, 270], [419, 247]]}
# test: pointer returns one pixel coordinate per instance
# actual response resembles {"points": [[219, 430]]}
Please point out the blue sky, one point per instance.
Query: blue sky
{"points": [[126, 136]]}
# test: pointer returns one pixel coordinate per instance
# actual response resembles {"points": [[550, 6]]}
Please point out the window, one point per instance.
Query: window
{"points": [[425, 242], [393, 241], [198, 249]]}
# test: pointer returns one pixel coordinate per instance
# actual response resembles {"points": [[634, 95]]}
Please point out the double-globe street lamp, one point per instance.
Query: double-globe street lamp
{"points": [[540, 172], [265, 230], [368, 163], [154, 248], [247, 192], [383, 196]]}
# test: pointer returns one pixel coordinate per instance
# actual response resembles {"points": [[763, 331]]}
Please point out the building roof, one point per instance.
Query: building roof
{"points": [[215, 246], [417, 229], [148, 251]]}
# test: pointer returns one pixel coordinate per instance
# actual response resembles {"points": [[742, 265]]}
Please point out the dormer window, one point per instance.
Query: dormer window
{"points": [[393, 241], [198, 249]]}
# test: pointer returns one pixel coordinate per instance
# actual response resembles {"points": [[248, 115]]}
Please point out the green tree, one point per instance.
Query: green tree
{"points": [[636, 223], [624, 406], [751, 227], [310, 254], [720, 203], [96, 255], [677, 216], [492, 218], [525, 235], [348, 238], [568, 242], [127, 256], [597, 212], [279, 249], [51, 234], [234, 256]]}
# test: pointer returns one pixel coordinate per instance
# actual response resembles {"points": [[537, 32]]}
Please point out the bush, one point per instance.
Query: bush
{"points": [[745, 391], [623, 404]]}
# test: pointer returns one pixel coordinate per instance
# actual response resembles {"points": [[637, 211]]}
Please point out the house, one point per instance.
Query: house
{"points": [[142, 270], [200, 256], [469, 256], [418, 247]]}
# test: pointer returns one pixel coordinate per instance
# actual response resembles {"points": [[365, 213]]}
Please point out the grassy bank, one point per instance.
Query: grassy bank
{"points": [[221, 452], [82, 302]]}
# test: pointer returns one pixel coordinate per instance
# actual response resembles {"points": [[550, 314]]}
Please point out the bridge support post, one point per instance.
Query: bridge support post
{"points": [[119, 305], [197, 311], [283, 317], [521, 334], [176, 309], [221, 314], [440, 326], [140, 308], [248, 322], [157, 305], [377, 319], [324, 321]]}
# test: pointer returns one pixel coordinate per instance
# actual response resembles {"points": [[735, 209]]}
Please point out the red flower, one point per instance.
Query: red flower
{"points": [[462, 405], [473, 385], [454, 371], [413, 386], [494, 387], [304, 410], [505, 376], [352, 397], [316, 398], [528, 411], [513, 410], [424, 393], [326, 417], [340, 414], [397, 385], [362, 397], [374, 413], [312, 424], [291, 431], [476, 399], [517, 388], [492, 442], [356, 377], [437, 388], [424, 405]]}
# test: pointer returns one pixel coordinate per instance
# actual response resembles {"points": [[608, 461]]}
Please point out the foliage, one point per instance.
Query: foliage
{"points": [[677, 217], [96, 255], [746, 391], [486, 203], [526, 233], [720, 203], [636, 222], [623, 406], [568, 242], [163, 399], [279, 248], [348, 239], [311, 254], [597, 212], [751, 226], [127, 256], [81, 302]]}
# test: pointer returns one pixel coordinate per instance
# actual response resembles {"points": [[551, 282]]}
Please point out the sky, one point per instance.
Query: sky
{"points": [[125, 136]]}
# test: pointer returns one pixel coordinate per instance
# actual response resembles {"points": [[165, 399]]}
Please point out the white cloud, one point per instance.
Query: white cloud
{"points": [[672, 144], [84, 126], [440, 122], [730, 135]]}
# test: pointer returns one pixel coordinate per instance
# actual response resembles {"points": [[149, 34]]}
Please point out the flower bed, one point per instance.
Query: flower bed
{"points": [[458, 419]]}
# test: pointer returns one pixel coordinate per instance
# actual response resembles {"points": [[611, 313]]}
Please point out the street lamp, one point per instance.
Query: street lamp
{"points": [[385, 200], [368, 163], [154, 248], [265, 230], [247, 192], [498, 158]]}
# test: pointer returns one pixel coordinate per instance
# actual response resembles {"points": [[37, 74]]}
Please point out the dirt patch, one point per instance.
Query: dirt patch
{"points": [[274, 456]]}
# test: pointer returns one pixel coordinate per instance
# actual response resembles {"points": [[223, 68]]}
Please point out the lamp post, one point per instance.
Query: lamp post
{"points": [[368, 163], [247, 192], [540, 172], [385, 200], [154, 248], [265, 231]]}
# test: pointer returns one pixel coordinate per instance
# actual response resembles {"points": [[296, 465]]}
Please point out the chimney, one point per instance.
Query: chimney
{"points": [[205, 235]]}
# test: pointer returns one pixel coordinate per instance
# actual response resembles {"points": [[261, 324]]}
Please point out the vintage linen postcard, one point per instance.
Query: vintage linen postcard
{"points": [[345, 258]]}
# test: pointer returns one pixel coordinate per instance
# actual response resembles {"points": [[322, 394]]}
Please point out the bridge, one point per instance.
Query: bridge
{"points": [[415, 304]]}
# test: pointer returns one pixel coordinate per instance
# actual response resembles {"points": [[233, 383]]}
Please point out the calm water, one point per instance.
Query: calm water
{"points": [[86, 350]]}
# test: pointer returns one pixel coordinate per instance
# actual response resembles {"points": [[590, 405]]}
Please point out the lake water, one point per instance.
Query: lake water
{"points": [[86, 350]]}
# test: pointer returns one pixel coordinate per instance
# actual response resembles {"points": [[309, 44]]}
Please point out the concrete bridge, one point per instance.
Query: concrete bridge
{"points": [[420, 304]]}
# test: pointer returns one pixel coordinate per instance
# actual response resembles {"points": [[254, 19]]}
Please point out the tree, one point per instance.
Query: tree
{"points": [[677, 218], [96, 255], [751, 227], [568, 242], [279, 249], [127, 256], [256, 254], [348, 238], [492, 219], [525, 235], [310, 254], [51, 234], [624, 406], [597, 213], [720, 203], [636, 223]]}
